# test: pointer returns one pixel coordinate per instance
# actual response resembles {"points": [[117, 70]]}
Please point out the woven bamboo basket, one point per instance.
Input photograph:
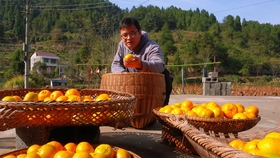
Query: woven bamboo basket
{"points": [[217, 125], [22, 151], [147, 87], [213, 146], [115, 112]]}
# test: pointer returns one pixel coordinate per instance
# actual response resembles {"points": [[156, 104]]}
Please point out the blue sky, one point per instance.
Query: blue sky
{"points": [[263, 11]]}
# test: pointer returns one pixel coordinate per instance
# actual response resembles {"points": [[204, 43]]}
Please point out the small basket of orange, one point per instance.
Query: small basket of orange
{"points": [[80, 150], [228, 118], [65, 107]]}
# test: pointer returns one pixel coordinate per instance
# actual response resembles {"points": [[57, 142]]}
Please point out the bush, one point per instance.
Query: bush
{"points": [[18, 83]]}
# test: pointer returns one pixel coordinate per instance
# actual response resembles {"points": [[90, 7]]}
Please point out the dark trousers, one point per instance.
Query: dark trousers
{"points": [[168, 85]]}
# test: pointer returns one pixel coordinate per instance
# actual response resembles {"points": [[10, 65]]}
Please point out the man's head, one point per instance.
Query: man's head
{"points": [[130, 32]]}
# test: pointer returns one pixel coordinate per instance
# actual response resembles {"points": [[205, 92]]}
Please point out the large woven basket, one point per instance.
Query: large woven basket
{"points": [[147, 87], [209, 146], [216, 125], [22, 151], [115, 112]]}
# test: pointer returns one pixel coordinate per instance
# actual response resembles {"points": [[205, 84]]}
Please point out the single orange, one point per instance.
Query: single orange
{"points": [[62, 98], [47, 151], [73, 98], [270, 145], [72, 91], [178, 111], [33, 155], [55, 94], [87, 98], [273, 135], [96, 155], [103, 96], [17, 98], [56, 144], [22, 156], [106, 150], [253, 109], [250, 145], [249, 114], [206, 113], [166, 109], [237, 143], [9, 99], [185, 109], [212, 104], [122, 153], [44, 94], [47, 99], [70, 147], [187, 103], [128, 57], [33, 148], [240, 107], [63, 154], [84, 146], [218, 113], [82, 154], [197, 109], [191, 113], [31, 96], [239, 115], [10, 156], [229, 109]]}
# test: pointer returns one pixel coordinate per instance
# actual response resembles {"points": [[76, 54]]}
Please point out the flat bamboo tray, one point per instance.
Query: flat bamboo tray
{"points": [[115, 112], [216, 125], [206, 145], [22, 151]]}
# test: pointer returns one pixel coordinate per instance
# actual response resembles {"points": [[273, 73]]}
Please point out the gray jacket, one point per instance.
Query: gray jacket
{"points": [[147, 50]]}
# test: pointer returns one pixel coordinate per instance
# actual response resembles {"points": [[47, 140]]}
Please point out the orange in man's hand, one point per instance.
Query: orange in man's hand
{"points": [[128, 57]]}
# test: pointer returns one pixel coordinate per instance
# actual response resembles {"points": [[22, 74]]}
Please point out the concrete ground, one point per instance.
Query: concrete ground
{"points": [[147, 142]]}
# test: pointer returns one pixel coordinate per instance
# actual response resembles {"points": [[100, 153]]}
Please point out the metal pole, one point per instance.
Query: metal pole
{"points": [[26, 46], [183, 81]]}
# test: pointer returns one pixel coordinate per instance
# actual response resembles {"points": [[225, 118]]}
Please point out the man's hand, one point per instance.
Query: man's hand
{"points": [[133, 62]]}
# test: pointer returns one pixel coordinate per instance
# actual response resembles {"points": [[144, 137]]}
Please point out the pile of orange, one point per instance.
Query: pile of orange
{"points": [[55, 149], [269, 146], [45, 95], [212, 110]]}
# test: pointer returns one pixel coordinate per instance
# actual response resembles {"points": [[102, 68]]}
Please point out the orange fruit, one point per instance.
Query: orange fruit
{"points": [[270, 145], [250, 145], [63, 154], [96, 155], [187, 103], [31, 96], [273, 135], [212, 104], [240, 107], [70, 147], [191, 113], [229, 109], [43, 94], [203, 105], [197, 109], [62, 98], [87, 98], [166, 109], [72, 91], [82, 154], [106, 150], [206, 113], [32, 155], [249, 114], [237, 143], [103, 96], [217, 112], [122, 153], [128, 57], [9, 98], [239, 116], [178, 111], [47, 99], [185, 109], [72, 98], [55, 94], [56, 144], [47, 151], [17, 98], [253, 109], [33, 148], [84, 146]]}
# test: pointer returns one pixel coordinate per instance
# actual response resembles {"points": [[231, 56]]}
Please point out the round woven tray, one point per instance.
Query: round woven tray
{"points": [[115, 112], [22, 151], [216, 125], [206, 145]]}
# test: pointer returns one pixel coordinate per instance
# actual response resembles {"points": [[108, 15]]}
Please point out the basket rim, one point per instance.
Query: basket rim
{"points": [[130, 98]]}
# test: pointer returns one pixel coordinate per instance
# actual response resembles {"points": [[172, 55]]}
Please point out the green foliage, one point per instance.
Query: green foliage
{"points": [[17, 62], [18, 83]]}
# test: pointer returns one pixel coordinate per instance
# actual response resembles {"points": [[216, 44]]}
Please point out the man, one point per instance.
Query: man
{"points": [[147, 55]]}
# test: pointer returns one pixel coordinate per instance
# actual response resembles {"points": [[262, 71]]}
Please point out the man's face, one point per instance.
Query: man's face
{"points": [[130, 36]]}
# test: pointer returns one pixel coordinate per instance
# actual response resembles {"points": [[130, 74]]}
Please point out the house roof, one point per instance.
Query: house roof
{"points": [[48, 54]]}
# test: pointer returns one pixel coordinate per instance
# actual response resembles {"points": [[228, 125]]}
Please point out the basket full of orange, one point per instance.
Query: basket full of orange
{"points": [[210, 116], [65, 107]]}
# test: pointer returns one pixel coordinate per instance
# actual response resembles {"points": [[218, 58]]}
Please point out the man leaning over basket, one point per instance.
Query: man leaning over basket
{"points": [[147, 55]]}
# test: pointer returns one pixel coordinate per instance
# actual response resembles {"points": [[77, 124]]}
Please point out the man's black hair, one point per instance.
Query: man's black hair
{"points": [[126, 22]]}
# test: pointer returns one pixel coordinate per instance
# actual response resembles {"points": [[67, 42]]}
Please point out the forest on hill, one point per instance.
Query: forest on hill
{"points": [[85, 33]]}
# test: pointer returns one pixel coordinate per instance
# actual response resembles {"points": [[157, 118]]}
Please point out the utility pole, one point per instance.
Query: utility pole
{"points": [[26, 45]]}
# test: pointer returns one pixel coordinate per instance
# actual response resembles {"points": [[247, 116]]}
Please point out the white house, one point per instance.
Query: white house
{"points": [[50, 59]]}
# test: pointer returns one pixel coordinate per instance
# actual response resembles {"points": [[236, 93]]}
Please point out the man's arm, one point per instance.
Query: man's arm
{"points": [[117, 64]]}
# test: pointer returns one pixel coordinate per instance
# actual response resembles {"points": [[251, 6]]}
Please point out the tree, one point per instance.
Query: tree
{"points": [[17, 62], [166, 41]]}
